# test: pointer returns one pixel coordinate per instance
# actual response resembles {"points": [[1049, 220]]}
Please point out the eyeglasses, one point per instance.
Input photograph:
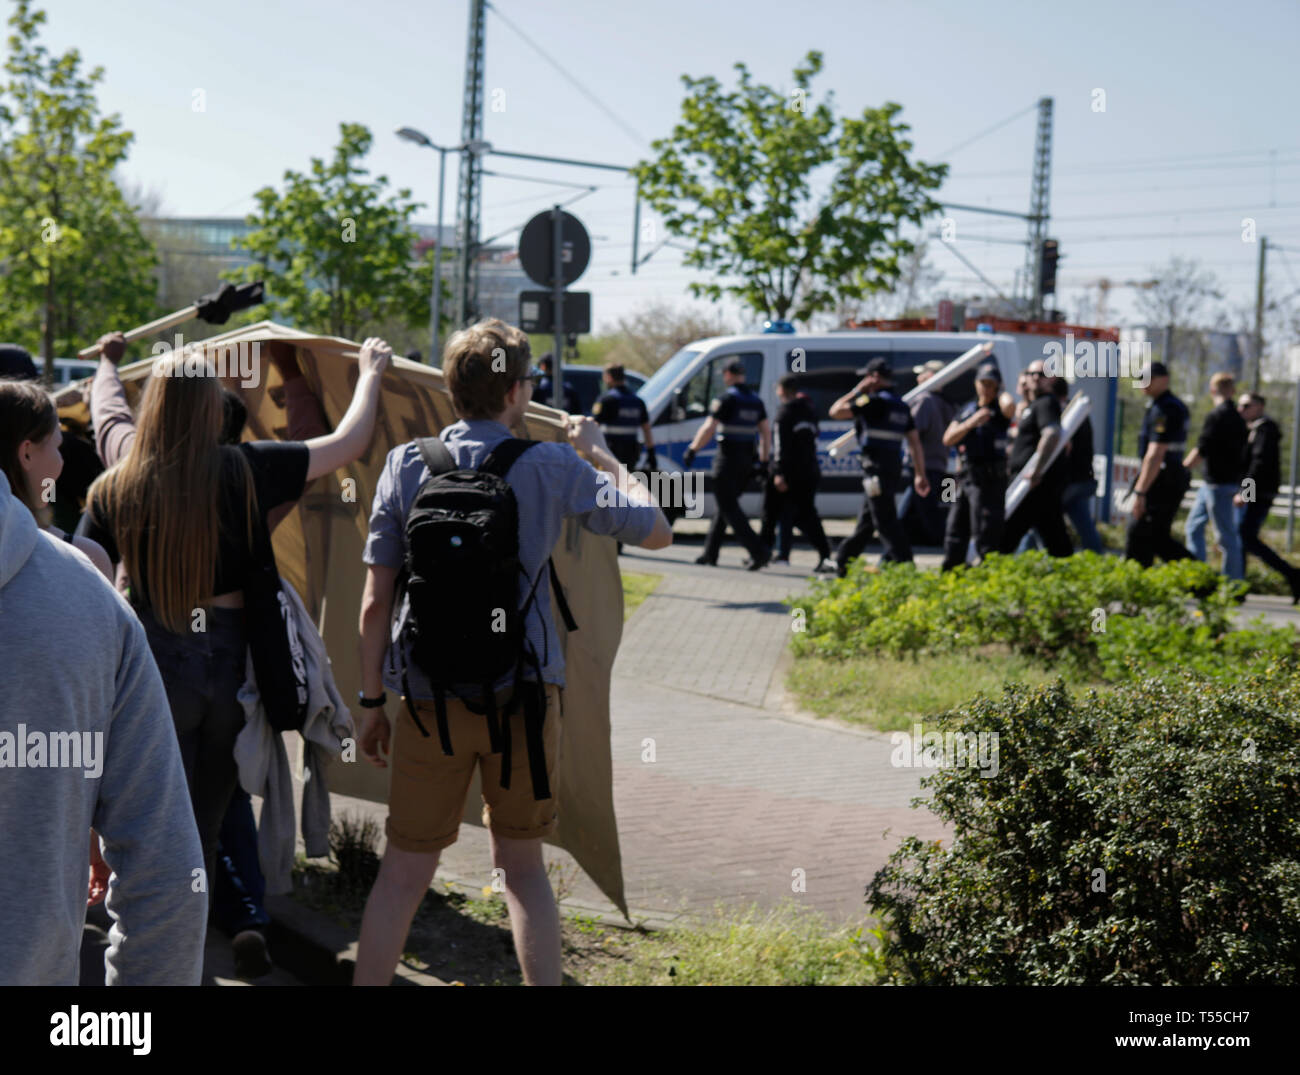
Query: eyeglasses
{"points": [[1035, 373]]}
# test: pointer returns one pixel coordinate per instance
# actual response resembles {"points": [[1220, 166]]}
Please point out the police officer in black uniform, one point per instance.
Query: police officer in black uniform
{"points": [[1039, 430], [620, 412], [980, 435], [737, 415], [545, 392], [1162, 480], [882, 422], [790, 497]]}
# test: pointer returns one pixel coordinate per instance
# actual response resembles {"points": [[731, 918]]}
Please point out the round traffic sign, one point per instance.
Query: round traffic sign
{"points": [[537, 253]]}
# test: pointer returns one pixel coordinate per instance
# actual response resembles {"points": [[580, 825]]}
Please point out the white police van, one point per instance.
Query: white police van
{"points": [[824, 364]]}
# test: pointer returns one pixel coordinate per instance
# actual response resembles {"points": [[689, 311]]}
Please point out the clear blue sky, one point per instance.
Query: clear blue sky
{"points": [[1200, 127]]}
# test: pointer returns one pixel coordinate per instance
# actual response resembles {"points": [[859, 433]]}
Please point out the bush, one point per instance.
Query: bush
{"points": [[1093, 614], [1147, 836]]}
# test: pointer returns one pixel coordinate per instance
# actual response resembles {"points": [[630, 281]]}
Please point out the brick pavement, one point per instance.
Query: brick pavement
{"points": [[741, 793]]}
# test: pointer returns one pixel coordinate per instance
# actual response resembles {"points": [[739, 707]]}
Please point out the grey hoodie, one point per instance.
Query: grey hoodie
{"points": [[86, 739]]}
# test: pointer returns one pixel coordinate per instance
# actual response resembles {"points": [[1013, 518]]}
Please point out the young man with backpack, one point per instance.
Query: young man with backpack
{"points": [[461, 532]]}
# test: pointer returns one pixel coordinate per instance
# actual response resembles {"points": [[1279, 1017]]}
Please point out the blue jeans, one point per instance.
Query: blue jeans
{"points": [[1216, 500], [1076, 502]]}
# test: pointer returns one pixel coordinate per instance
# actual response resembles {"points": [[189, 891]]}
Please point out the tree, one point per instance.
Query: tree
{"points": [[799, 209], [1181, 298], [653, 334], [73, 260], [336, 252]]}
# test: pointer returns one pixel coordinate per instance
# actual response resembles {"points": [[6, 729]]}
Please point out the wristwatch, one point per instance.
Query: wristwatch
{"points": [[371, 703]]}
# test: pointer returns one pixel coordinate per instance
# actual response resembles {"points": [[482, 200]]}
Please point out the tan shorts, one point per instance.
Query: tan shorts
{"points": [[426, 801]]}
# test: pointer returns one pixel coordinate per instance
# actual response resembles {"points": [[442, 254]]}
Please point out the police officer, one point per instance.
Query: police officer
{"points": [[882, 423], [790, 497], [545, 392], [736, 416], [980, 435], [1038, 430], [620, 412], [1162, 480]]}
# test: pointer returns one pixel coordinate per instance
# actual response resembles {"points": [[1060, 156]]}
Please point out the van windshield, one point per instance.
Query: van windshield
{"points": [[665, 377]]}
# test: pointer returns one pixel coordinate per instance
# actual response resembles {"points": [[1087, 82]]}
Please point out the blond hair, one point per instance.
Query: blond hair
{"points": [[167, 490], [480, 365]]}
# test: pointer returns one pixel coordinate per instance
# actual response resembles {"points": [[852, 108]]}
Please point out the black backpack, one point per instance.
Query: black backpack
{"points": [[464, 625]]}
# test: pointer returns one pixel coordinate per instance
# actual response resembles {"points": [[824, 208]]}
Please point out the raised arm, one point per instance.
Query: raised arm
{"points": [[110, 413], [347, 443]]}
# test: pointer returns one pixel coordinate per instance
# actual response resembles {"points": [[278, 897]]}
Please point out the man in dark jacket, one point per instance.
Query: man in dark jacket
{"points": [[790, 496], [1263, 474], [1038, 431]]}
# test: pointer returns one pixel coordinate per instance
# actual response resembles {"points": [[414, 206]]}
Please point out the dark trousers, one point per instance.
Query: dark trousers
{"points": [[239, 891], [624, 450], [202, 672], [978, 511], [796, 507], [1041, 510], [1148, 536], [1250, 518], [729, 481], [924, 518], [877, 517]]}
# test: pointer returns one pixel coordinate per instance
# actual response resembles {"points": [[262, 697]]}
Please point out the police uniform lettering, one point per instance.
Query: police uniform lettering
{"points": [[621, 413], [738, 412], [882, 423]]}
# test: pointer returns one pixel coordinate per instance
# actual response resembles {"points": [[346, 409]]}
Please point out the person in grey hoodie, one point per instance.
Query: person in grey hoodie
{"points": [[86, 740]]}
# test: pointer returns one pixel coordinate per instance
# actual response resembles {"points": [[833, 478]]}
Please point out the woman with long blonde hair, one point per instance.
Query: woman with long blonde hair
{"points": [[180, 512]]}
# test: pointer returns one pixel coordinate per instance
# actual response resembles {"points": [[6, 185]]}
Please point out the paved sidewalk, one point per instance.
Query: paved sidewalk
{"points": [[742, 791]]}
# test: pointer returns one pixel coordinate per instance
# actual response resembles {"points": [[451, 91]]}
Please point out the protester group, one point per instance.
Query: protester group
{"points": [[151, 635]]}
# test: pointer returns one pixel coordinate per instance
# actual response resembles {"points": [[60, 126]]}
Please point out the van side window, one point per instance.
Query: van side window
{"points": [[707, 384]]}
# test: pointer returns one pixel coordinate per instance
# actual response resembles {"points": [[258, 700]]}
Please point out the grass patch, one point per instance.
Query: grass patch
{"points": [[636, 588], [786, 946], [464, 938], [891, 693]]}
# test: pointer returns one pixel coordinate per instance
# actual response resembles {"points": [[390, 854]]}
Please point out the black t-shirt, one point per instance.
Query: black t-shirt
{"points": [[1078, 463], [279, 476], [1042, 414], [796, 439], [621, 412], [1222, 442]]}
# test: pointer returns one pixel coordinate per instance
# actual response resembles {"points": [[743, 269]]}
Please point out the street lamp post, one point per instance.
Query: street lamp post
{"points": [[410, 134]]}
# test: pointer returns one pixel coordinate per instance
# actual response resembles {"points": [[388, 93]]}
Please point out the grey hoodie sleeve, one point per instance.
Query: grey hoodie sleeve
{"points": [[158, 896]]}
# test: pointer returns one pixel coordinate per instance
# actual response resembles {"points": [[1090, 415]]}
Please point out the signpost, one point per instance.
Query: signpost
{"points": [[554, 250]]}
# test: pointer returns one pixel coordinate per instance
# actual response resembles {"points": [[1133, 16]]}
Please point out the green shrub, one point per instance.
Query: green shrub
{"points": [[1147, 836], [1090, 614]]}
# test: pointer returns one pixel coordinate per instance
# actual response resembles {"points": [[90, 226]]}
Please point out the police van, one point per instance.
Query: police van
{"points": [[824, 365]]}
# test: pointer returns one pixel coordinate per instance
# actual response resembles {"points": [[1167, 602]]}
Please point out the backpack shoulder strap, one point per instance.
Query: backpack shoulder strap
{"points": [[436, 456], [503, 456]]}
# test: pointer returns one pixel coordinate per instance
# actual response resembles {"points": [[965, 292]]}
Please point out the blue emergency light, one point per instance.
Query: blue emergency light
{"points": [[777, 326]]}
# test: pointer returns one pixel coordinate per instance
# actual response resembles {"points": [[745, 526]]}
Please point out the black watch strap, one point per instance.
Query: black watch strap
{"points": [[371, 703]]}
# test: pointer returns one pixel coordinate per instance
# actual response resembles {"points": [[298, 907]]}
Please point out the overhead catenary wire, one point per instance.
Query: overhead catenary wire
{"points": [[625, 127]]}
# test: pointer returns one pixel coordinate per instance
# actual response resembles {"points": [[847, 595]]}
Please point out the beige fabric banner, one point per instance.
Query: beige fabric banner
{"points": [[318, 549]]}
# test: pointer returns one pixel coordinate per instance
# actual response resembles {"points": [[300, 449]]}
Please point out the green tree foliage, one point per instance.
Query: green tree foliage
{"points": [[798, 209], [337, 252], [73, 260]]}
